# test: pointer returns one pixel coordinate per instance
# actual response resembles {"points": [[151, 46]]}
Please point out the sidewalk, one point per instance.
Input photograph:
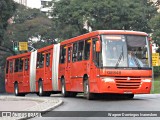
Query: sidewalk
{"points": [[25, 106]]}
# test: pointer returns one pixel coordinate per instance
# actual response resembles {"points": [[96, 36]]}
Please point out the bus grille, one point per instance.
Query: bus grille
{"points": [[128, 83]]}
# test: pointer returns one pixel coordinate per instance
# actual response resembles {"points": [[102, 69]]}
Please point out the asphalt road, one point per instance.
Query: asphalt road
{"points": [[150, 102]]}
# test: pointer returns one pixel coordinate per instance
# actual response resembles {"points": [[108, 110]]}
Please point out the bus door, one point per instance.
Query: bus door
{"points": [[6, 70], [94, 63], [68, 65], [26, 72], [10, 74], [47, 68]]}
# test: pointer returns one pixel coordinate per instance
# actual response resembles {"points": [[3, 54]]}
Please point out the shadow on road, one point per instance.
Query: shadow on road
{"points": [[101, 97]]}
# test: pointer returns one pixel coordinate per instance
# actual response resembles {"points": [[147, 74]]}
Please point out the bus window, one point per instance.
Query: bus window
{"points": [[20, 65], [95, 54], [87, 50], [11, 67], [63, 55], [16, 65], [40, 60], [47, 59], [69, 54], [7, 66], [26, 64], [74, 54], [80, 50]]}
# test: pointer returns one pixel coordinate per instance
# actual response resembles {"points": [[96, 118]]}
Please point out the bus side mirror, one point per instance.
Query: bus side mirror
{"points": [[98, 46]]}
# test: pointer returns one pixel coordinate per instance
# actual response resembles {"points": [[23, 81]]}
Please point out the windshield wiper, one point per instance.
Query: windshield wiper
{"points": [[136, 61], [119, 59]]}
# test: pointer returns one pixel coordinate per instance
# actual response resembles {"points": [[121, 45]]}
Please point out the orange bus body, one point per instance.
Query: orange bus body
{"points": [[72, 61]]}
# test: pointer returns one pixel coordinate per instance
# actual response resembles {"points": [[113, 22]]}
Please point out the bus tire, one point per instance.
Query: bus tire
{"points": [[16, 90], [63, 88], [40, 89], [86, 90]]}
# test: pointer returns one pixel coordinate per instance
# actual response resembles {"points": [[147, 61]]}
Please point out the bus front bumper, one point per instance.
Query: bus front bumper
{"points": [[121, 86]]}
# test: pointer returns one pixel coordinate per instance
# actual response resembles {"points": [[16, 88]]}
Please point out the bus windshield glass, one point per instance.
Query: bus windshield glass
{"points": [[129, 51]]}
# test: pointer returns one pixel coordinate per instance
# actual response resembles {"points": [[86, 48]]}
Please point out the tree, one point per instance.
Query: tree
{"points": [[29, 24], [69, 16], [155, 25], [7, 8]]}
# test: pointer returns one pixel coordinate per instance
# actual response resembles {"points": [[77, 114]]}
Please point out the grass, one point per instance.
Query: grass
{"points": [[156, 85]]}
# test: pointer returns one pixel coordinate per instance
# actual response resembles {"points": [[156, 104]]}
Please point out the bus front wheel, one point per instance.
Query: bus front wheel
{"points": [[86, 90]]}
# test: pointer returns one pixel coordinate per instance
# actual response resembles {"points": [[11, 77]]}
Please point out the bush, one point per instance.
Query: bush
{"points": [[156, 71]]}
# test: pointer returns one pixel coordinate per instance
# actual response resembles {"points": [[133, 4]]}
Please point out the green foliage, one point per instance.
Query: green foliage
{"points": [[7, 8], [69, 16], [156, 71], [29, 24], [155, 25]]}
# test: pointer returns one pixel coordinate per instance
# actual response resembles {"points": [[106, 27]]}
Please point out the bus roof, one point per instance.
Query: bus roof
{"points": [[98, 32], [81, 37], [19, 56], [28, 53]]}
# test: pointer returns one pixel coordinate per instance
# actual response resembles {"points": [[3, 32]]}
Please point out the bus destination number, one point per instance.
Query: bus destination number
{"points": [[114, 72]]}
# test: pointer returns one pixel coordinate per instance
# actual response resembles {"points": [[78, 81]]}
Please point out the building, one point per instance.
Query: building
{"points": [[157, 3], [46, 7], [23, 2], [43, 5]]}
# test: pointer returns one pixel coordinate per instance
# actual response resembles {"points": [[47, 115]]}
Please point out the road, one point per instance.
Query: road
{"points": [[149, 102]]}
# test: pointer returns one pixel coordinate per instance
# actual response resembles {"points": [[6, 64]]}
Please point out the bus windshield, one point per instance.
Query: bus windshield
{"points": [[130, 51]]}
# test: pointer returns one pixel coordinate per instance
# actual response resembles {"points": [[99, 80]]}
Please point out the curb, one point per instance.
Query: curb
{"points": [[46, 105]]}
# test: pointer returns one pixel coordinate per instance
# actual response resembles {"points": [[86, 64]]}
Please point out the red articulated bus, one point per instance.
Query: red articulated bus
{"points": [[103, 61]]}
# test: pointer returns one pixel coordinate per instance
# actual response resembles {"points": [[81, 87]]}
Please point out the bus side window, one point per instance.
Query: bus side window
{"points": [[38, 57], [11, 67], [74, 54], [20, 65], [26, 64], [63, 55], [87, 50], [16, 65], [40, 60], [80, 50], [69, 54], [95, 54], [47, 59], [7, 66]]}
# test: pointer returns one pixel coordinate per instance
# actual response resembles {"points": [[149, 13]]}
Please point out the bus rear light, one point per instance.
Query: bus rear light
{"points": [[146, 80], [108, 80]]}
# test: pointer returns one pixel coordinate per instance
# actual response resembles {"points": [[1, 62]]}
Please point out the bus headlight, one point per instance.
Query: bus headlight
{"points": [[146, 80], [108, 80]]}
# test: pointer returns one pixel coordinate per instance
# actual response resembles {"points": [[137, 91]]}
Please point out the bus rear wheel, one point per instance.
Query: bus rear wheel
{"points": [[16, 90], [40, 90], [63, 88], [86, 90]]}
